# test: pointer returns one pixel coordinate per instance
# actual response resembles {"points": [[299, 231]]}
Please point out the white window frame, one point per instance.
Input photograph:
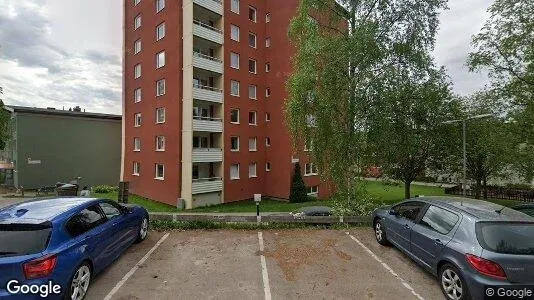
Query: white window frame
{"points": [[158, 92], [255, 66], [234, 175], [138, 95], [255, 118], [160, 141], [267, 117], [253, 170], [308, 146], [160, 5], [238, 146], [268, 92], [313, 170], [267, 167], [310, 190], [162, 35], [160, 113], [255, 13], [138, 47], [232, 31], [268, 42], [255, 40], [156, 175], [253, 144], [254, 95], [232, 110], [136, 2], [234, 55], [136, 168], [160, 59], [137, 144], [138, 72], [234, 6], [137, 22], [267, 67], [232, 82], [268, 18], [267, 142], [138, 120]]}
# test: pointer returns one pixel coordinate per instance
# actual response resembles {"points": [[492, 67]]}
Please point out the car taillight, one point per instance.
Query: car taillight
{"points": [[486, 267], [40, 267]]}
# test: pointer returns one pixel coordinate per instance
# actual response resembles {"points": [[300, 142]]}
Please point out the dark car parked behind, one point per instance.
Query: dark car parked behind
{"points": [[525, 208]]}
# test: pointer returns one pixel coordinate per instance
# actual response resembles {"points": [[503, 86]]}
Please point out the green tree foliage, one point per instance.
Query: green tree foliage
{"points": [[337, 68], [298, 188], [5, 117]]}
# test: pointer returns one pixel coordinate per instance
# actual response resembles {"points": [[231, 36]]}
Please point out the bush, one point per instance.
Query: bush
{"points": [[298, 192], [357, 202], [105, 189]]}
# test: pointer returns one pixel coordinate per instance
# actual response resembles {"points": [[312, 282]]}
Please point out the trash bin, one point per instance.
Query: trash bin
{"points": [[67, 190]]}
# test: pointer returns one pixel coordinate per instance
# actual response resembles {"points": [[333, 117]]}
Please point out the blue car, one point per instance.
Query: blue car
{"points": [[473, 247], [52, 248]]}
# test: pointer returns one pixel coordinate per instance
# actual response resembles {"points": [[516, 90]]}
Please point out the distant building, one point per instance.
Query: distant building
{"points": [[51, 145]]}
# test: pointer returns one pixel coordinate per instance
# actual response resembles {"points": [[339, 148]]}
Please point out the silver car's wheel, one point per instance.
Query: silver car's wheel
{"points": [[452, 284], [380, 233], [80, 283]]}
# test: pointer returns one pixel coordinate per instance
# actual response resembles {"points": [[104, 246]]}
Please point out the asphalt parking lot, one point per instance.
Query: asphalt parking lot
{"points": [[293, 264]]}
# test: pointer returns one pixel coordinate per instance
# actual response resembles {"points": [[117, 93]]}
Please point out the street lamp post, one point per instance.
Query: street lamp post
{"points": [[464, 139]]}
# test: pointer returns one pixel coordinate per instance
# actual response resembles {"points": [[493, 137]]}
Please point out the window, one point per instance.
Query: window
{"points": [[252, 40], [409, 210], [160, 31], [234, 88], [268, 166], [234, 60], [160, 87], [160, 115], [267, 67], [110, 210], [267, 117], [137, 46], [252, 144], [196, 171], [312, 190], [310, 169], [85, 220], [506, 237], [268, 18], [200, 142], [268, 42], [136, 2], [160, 143], [137, 71], [234, 6], [22, 239], [268, 141], [252, 66], [311, 121], [234, 143], [160, 172], [136, 168], [308, 146], [137, 144], [268, 92], [252, 118], [440, 220], [234, 171], [252, 91], [160, 4], [234, 33], [160, 59], [234, 116], [137, 22], [252, 170], [252, 14], [137, 95], [137, 120]]}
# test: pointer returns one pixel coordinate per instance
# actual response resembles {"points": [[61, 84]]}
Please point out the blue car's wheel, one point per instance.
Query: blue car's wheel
{"points": [[79, 284], [143, 230]]}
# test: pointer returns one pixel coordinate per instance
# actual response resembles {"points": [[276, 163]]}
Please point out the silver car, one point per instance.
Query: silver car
{"points": [[473, 247]]}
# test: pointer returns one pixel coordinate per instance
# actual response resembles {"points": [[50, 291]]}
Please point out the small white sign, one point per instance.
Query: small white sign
{"points": [[257, 198], [34, 162]]}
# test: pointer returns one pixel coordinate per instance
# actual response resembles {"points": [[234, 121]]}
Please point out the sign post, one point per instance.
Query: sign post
{"points": [[257, 199]]}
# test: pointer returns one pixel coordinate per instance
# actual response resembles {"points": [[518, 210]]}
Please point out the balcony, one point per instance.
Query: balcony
{"points": [[207, 185], [207, 32], [208, 63], [207, 155], [207, 124], [212, 5], [207, 93]]}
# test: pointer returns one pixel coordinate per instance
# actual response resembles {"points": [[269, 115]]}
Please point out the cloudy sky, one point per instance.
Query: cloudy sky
{"points": [[63, 53]]}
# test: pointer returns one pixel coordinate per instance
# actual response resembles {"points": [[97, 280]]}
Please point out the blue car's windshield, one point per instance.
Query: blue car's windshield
{"points": [[21, 239], [506, 237]]}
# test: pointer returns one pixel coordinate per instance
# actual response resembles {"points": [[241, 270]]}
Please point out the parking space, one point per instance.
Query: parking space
{"points": [[299, 264]]}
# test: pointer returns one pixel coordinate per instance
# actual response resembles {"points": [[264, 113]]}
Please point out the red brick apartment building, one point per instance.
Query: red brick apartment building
{"points": [[204, 91]]}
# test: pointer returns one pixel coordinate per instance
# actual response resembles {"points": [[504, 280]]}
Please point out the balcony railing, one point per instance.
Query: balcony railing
{"points": [[207, 32], [215, 6], [207, 26], [207, 155], [202, 55], [205, 87], [207, 118], [207, 179], [207, 185]]}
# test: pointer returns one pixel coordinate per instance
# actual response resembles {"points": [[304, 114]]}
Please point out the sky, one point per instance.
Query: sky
{"points": [[64, 53]]}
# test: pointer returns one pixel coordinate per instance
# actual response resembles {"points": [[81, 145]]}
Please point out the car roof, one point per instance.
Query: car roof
{"points": [[480, 209], [41, 210]]}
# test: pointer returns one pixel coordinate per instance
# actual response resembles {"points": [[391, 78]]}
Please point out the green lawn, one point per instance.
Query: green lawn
{"points": [[150, 205]]}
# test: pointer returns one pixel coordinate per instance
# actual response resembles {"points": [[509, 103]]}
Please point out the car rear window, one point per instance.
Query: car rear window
{"points": [[506, 237], [21, 239]]}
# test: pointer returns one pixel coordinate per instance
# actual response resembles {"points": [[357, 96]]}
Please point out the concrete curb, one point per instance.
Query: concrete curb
{"points": [[262, 219]]}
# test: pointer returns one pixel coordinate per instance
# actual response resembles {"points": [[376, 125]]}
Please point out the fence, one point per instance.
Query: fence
{"points": [[495, 192]]}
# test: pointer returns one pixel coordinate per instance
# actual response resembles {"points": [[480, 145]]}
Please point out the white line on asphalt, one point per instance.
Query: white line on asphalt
{"points": [[266, 286], [135, 268], [390, 270]]}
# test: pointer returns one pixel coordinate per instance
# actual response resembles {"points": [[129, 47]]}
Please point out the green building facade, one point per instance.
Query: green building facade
{"points": [[50, 146]]}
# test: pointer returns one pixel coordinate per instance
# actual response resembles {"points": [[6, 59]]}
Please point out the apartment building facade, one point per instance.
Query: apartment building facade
{"points": [[204, 91]]}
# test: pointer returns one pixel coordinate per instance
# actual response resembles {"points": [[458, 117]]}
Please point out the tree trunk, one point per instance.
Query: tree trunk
{"points": [[477, 188], [485, 187], [407, 185]]}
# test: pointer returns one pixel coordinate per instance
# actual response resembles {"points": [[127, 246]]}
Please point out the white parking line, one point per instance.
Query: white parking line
{"points": [[390, 270], [264, 273], [135, 268]]}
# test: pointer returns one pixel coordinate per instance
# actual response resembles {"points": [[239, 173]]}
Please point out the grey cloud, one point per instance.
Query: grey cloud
{"points": [[99, 57]]}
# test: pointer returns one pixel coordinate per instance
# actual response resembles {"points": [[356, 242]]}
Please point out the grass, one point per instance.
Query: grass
{"points": [[160, 225], [150, 205]]}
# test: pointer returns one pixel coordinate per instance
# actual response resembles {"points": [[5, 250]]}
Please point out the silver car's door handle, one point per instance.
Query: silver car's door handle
{"points": [[407, 226], [438, 242]]}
